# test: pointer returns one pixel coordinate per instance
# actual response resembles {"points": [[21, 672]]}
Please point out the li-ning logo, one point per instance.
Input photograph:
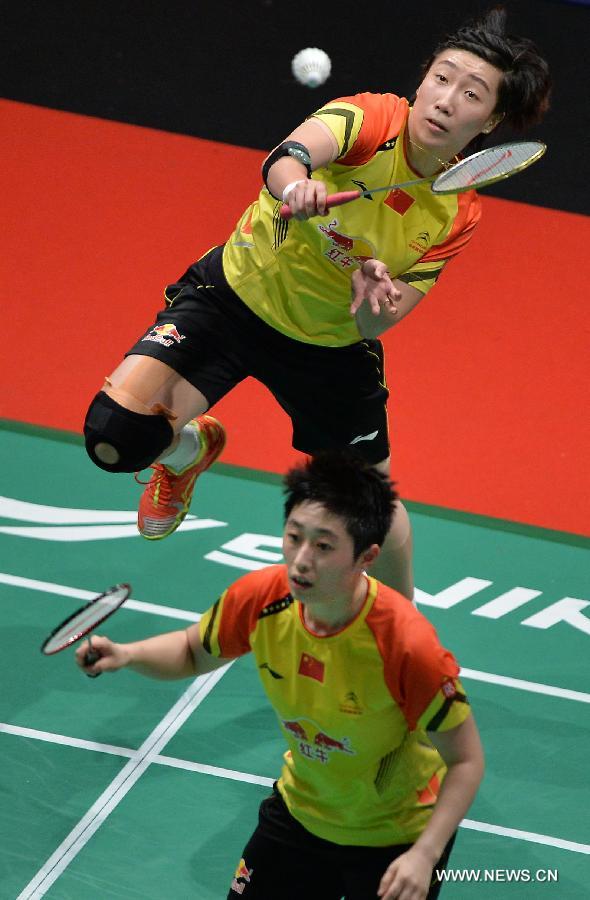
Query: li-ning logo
{"points": [[365, 437], [363, 187], [270, 671], [165, 334], [420, 243]]}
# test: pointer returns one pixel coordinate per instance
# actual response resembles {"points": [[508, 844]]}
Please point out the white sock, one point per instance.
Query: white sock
{"points": [[185, 452]]}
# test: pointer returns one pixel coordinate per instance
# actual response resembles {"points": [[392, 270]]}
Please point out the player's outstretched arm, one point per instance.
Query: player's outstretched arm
{"points": [[175, 654], [411, 873]]}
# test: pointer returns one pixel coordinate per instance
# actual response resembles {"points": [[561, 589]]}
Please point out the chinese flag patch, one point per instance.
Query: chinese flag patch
{"points": [[311, 667], [399, 201]]}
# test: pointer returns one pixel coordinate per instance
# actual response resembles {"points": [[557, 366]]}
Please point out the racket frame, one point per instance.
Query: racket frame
{"points": [[126, 588], [493, 179]]}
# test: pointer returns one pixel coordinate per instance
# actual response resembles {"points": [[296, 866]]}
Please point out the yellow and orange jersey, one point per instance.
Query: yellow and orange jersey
{"points": [[296, 276], [354, 706]]}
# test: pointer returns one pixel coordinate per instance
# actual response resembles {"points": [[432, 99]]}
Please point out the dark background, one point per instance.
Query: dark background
{"points": [[221, 70]]}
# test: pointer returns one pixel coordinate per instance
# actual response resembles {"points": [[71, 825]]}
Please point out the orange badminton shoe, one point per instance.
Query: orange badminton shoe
{"points": [[167, 497]]}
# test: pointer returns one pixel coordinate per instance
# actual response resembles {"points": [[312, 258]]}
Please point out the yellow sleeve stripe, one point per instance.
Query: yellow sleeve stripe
{"points": [[209, 627], [416, 275], [344, 122], [445, 712]]}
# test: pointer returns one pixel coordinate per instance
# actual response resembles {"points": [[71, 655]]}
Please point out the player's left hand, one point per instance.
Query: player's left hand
{"points": [[372, 282], [407, 878]]}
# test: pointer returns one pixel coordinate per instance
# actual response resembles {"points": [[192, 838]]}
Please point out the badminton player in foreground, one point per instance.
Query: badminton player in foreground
{"points": [[300, 304], [383, 757]]}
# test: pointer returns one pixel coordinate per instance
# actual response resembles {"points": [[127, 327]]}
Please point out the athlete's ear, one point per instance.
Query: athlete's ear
{"points": [[493, 122], [369, 555]]}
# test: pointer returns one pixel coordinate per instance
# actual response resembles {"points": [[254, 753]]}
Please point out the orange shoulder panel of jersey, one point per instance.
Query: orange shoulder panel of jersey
{"points": [[468, 215], [242, 604], [384, 116], [416, 665]]}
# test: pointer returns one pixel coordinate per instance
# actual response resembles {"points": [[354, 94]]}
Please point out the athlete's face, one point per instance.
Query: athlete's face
{"points": [[319, 553], [454, 103]]}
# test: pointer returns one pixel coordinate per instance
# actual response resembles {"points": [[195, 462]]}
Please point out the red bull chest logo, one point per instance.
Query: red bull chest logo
{"points": [[345, 251], [167, 335], [313, 743]]}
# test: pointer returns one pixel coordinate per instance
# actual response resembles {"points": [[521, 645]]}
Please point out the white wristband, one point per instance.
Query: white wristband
{"points": [[290, 187]]}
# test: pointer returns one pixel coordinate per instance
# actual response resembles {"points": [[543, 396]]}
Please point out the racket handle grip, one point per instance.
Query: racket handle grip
{"points": [[91, 657], [342, 197], [331, 200]]}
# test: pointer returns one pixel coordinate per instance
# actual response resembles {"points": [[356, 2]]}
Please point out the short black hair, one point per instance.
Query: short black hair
{"points": [[348, 487], [525, 87]]}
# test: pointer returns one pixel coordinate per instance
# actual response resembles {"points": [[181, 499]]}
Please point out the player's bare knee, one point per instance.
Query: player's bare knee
{"points": [[401, 519], [384, 466], [121, 440]]}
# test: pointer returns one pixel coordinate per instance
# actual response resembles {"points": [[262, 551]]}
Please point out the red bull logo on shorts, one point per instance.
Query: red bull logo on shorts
{"points": [[242, 877], [167, 335], [345, 250]]}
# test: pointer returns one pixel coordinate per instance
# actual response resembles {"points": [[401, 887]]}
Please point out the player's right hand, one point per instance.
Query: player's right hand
{"points": [[112, 656], [307, 198], [373, 284]]}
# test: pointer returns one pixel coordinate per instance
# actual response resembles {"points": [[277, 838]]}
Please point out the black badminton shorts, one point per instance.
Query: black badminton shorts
{"points": [[335, 396], [283, 860]]}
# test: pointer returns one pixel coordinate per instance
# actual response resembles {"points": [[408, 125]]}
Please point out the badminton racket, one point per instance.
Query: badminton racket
{"points": [[85, 620], [475, 171]]}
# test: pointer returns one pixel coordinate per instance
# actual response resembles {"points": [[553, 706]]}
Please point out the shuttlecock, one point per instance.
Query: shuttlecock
{"points": [[311, 66]]}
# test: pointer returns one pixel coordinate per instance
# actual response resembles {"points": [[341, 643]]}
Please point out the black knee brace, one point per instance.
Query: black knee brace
{"points": [[138, 439]]}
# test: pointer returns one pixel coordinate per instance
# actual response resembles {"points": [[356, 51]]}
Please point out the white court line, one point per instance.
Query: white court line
{"points": [[48, 587], [155, 609], [66, 741], [114, 750], [217, 771], [232, 774], [531, 836], [119, 787], [532, 686]]}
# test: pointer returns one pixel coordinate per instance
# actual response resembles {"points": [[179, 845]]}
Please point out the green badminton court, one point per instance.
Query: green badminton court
{"points": [[126, 788]]}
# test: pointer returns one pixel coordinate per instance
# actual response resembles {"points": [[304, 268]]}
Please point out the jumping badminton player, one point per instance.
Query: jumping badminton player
{"points": [[383, 757], [275, 301]]}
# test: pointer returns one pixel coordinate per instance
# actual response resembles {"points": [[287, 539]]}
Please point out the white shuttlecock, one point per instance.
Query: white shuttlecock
{"points": [[311, 66]]}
